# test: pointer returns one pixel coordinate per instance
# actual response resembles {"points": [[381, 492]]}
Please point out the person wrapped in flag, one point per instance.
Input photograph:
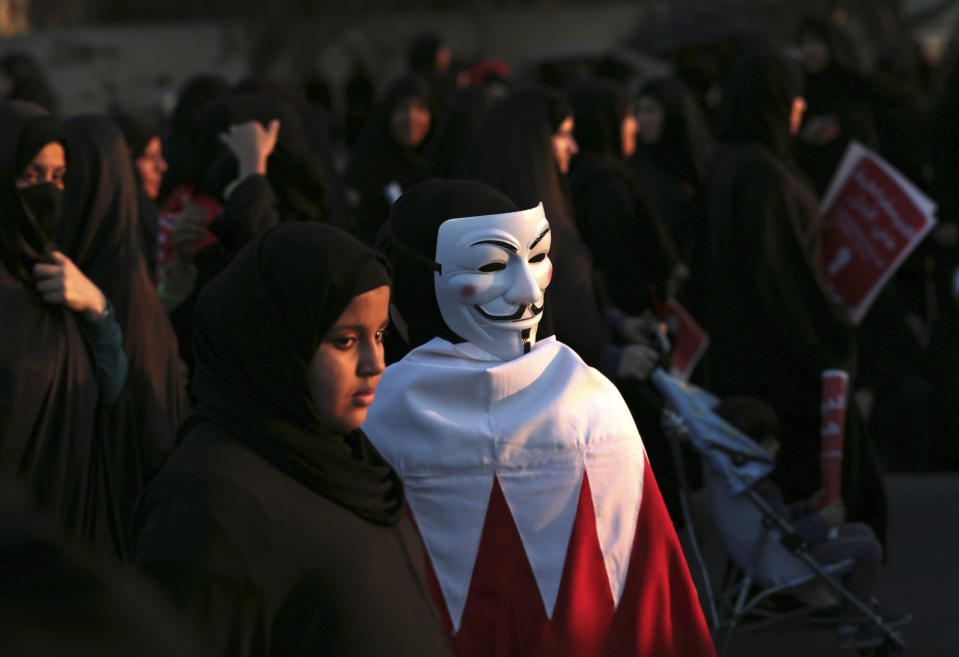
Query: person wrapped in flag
{"points": [[545, 531]]}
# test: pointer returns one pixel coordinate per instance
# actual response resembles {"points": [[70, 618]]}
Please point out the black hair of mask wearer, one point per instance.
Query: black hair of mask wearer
{"points": [[415, 220]]}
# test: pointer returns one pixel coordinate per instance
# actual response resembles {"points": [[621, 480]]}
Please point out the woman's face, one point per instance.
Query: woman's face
{"points": [[346, 367], [564, 144], [410, 122], [628, 131], [151, 166], [650, 114], [49, 165]]}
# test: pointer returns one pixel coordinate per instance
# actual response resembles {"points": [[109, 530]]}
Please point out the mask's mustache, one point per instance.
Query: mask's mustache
{"points": [[518, 315]]}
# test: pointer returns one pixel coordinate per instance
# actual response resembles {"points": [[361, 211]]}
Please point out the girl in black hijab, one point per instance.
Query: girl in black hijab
{"points": [[100, 231], [61, 353], [772, 326], [612, 209], [389, 154], [673, 156], [276, 525]]}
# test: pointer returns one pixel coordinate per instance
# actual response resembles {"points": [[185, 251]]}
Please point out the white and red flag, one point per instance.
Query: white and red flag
{"points": [[545, 530]]}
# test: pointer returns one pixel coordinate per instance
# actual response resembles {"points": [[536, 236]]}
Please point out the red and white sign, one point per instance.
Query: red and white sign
{"points": [[874, 218], [690, 341], [832, 434]]}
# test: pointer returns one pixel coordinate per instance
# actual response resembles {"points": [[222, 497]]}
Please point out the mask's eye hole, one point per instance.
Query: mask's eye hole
{"points": [[539, 257], [492, 266]]}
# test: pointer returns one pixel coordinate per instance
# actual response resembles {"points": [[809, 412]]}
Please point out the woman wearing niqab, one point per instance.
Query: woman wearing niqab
{"points": [[100, 232], [276, 526], [51, 373], [773, 330]]}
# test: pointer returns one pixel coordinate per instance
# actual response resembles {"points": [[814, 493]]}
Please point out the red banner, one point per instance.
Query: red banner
{"points": [[874, 218]]}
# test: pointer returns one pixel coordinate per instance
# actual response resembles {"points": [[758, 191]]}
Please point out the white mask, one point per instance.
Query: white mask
{"points": [[493, 272]]}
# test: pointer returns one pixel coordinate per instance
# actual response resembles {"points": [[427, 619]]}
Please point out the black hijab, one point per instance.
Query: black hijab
{"points": [[30, 83], [100, 233], [410, 243], [377, 159], [138, 132], [456, 138], [612, 208], [293, 169], [48, 387], [179, 141], [316, 122], [514, 154], [281, 293], [757, 101], [23, 241], [685, 146]]}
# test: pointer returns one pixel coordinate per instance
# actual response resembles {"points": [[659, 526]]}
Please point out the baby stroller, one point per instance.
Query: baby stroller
{"points": [[766, 555]]}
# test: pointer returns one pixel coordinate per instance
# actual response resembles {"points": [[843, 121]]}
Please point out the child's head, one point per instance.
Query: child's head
{"points": [[753, 417]]}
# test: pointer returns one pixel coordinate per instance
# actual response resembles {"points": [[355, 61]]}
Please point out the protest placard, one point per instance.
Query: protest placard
{"points": [[689, 339], [874, 218]]}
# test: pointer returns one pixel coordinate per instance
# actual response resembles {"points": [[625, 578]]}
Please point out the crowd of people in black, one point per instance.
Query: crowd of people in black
{"points": [[158, 334]]}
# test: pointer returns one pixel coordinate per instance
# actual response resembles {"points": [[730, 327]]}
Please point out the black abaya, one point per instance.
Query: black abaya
{"points": [[100, 233], [276, 536], [773, 330], [48, 386], [630, 244], [378, 160]]}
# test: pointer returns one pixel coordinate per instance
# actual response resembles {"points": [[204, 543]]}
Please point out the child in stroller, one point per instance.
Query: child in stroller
{"points": [[828, 537]]}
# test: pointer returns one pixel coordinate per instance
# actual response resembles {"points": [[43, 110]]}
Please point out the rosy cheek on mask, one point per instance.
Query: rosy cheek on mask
{"points": [[467, 291]]}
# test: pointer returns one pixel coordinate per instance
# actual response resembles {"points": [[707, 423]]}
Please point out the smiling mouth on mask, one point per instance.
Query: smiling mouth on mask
{"points": [[513, 317]]}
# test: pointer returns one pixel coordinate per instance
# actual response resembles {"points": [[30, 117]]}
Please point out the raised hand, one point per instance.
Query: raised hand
{"points": [[252, 144]]}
